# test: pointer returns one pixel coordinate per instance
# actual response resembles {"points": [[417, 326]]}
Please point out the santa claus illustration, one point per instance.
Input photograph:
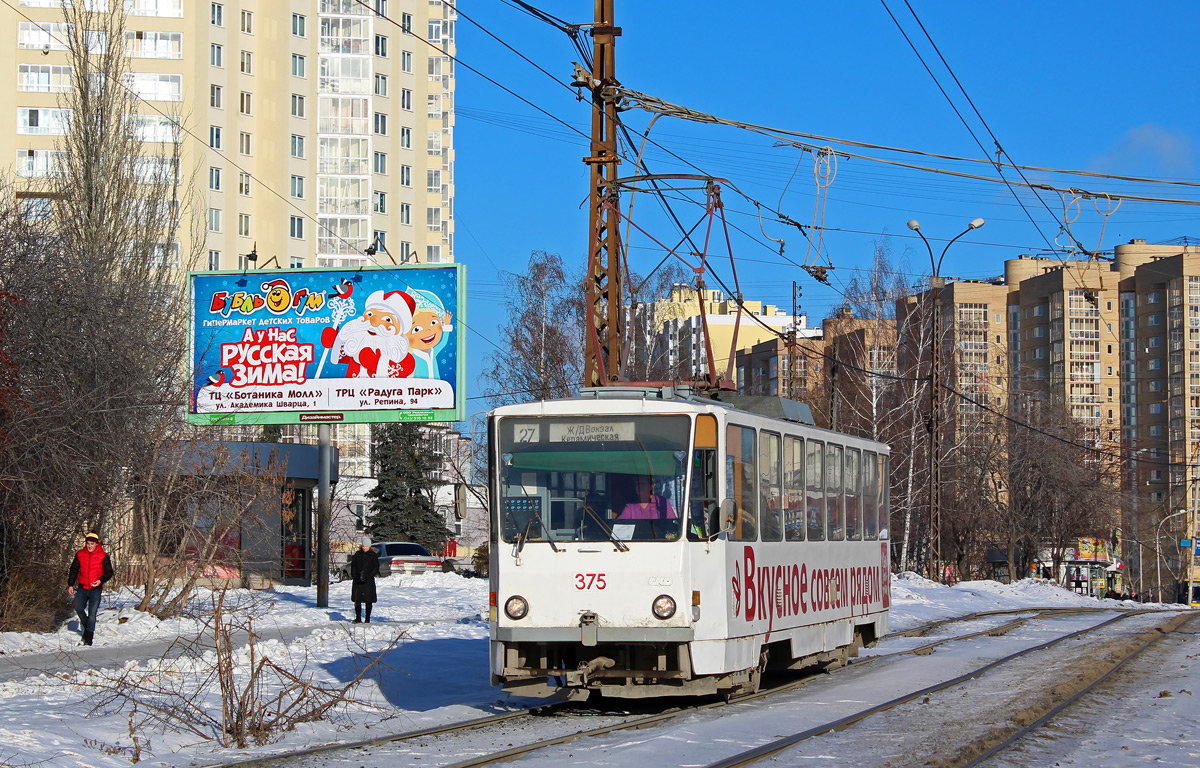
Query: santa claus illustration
{"points": [[374, 344]]}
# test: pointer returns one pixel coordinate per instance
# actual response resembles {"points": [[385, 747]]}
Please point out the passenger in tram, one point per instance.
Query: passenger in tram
{"points": [[647, 506]]}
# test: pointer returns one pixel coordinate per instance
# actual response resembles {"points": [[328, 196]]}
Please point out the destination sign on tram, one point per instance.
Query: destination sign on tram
{"points": [[579, 432]]}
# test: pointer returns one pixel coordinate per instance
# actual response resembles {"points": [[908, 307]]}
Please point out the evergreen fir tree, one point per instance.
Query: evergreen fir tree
{"points": [[403, 497]]}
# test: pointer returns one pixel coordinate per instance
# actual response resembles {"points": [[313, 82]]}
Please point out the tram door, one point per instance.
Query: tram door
{"points": [[703, 519]]}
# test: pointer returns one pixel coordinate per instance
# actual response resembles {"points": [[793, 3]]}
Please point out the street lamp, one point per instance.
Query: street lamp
{"points": [[1158, 552], [936, 283]]}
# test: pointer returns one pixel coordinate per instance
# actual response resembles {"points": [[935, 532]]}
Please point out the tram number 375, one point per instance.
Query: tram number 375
{"points": [[590, 581]]}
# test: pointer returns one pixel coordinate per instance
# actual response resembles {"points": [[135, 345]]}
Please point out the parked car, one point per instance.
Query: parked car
{"points": [[399, 557]]}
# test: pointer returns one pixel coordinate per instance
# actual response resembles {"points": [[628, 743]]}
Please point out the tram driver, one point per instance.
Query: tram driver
{"points": [[647, 506]]}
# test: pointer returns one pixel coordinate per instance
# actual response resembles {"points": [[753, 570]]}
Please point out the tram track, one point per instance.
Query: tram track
{"points": [[1021, 732], [563, 711]]}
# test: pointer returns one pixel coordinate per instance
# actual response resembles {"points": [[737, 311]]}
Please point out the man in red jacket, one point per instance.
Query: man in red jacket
{"points": [[90, 569]]}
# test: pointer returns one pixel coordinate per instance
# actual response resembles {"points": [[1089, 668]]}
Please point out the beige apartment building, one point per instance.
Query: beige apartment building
{"points": [[314, 129], [683, 329]]}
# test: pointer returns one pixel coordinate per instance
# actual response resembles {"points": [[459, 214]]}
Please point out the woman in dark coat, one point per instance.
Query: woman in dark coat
{"points": [[364, 567]]}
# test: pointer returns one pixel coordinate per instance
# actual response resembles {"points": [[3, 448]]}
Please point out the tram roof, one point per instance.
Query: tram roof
{"points": [[629, 399]]}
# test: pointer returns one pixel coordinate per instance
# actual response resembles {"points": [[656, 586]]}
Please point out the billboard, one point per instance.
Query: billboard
{"points": [[305, 346]]}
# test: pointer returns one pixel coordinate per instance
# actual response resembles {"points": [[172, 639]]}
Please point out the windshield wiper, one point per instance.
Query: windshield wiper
{"points": [[525, 533], [612, 537]]}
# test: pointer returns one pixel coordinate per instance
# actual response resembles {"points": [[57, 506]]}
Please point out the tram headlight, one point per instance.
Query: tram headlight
{"points": [[516, 607], [663, 607]]}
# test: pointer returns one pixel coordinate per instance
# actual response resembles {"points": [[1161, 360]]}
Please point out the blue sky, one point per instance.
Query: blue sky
{"points": [[1107, 87]]}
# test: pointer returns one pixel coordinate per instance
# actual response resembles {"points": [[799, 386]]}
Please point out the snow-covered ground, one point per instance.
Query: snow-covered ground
{"points": [[55, 710]]}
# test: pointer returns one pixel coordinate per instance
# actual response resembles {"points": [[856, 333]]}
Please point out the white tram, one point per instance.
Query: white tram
{"points": [[763, 543]]}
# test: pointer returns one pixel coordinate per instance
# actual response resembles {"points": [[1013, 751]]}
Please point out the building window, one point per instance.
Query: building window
{"points": [[140, 44], [296, 262], [1155, 342], [244, 224], [297, 146], [406, 175], [433, 180], [244, 143], [406, 61], [44, 78], [406, 138], [381, 238], [244, 184], [214, 137], [406, 22], [298, 25], [216, 55], [435, 31], [433, 254], [433, 220], [1153, 364], [298, 187], [247, 63], [406, 251], [381, 85], [297, 65], [405, 213], [244, 103], [380, 163], [218, 15], [214, 219], [381, 46], [214, 96], [379, 204], [214, 179], [1155, 430], [248, 22], [381, 7], [1153, 297], [152, 86], [297, 105], [380, 124], [214, 260], [406, 99], [297, 227], [1155, 407]]}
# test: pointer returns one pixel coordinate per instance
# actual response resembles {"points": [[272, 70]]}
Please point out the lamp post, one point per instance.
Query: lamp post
{"points": [[1158, 551], [936, 283]]}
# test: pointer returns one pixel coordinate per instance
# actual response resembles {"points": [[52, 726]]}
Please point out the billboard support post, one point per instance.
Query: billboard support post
{"points": [[323, 471]]}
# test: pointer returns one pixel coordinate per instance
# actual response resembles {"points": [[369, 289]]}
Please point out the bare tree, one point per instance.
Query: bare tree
{"points": [[646, 355], [544, 334], [95, 327]]}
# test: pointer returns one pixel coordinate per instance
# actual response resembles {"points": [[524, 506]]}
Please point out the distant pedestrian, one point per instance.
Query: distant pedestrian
{"points": [[364, 567], [89, 570]]}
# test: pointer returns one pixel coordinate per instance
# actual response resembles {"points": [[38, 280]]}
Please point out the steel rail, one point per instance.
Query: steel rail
{"points": [[779, 745], [648, 720], [1022, 732]]}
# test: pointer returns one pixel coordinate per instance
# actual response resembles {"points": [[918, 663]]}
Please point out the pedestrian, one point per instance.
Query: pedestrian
{"points": [[89, 570], [364, 567]]}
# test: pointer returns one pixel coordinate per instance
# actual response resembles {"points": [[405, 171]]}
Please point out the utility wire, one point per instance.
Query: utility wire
{"points": [[967, 125]]}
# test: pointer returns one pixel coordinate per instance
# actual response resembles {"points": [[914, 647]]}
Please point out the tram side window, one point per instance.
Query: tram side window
{"points": [[885, 496], [870, 496], [833, 492], [793, 488], [704, 493], [740, 481], [853, 483], [814, 471], [769, 491]]}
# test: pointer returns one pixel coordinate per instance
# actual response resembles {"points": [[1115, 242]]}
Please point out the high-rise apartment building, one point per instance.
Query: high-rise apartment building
{"points": [[314, 128], [683, 329]]}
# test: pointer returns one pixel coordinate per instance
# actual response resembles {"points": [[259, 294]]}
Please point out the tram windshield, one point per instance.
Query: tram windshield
{"points": [[588, 478]]}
